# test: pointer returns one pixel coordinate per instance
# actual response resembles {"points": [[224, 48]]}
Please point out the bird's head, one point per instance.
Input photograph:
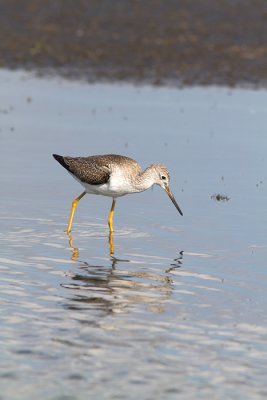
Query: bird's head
{"points": [[162, 178]]}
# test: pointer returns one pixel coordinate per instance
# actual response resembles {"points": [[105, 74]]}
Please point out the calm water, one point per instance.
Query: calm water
{"points": [[180, 311]]}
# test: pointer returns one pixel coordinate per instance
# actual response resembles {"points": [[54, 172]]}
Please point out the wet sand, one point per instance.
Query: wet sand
{"points": [[182, 42]]}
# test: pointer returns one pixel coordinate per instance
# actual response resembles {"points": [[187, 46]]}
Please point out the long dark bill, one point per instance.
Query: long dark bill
{"points": [[171, 196]]}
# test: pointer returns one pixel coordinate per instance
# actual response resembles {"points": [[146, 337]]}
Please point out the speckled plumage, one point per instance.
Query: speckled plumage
{"points": [[114, 176], [96, 170]]}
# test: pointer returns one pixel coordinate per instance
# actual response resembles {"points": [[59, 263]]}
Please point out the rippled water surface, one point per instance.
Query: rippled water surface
{"points": [[180, 310]]}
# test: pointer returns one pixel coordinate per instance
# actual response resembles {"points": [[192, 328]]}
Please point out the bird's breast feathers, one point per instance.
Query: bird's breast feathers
{"points": [[117, 185]]}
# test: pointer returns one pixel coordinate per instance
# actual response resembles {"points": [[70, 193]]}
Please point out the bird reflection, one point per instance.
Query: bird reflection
{"points": [[111, 244], [75, 251], [112, 287], [177, 262], [113, 290]]}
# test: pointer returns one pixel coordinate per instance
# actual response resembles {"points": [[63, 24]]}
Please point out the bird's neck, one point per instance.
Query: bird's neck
{"points": [[145, 180]]}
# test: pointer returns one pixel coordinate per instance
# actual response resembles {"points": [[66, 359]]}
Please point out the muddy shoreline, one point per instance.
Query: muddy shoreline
{"points": [[183, 42]]}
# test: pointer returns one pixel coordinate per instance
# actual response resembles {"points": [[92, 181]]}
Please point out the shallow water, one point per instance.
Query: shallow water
{"points": [[180, 311]]}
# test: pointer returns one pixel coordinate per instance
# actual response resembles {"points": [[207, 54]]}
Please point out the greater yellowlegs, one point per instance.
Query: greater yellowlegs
{"points": [[113, 176]]}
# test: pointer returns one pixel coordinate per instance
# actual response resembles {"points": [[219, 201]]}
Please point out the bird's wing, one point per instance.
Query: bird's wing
{"points": [[96, 170], [91, 170]]}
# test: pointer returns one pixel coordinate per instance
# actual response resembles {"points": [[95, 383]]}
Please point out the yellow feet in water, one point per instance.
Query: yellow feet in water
{"points": [[75, 250]]}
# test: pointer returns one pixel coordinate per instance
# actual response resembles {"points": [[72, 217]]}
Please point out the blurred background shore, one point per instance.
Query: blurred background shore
{"points": [[184, 42]]}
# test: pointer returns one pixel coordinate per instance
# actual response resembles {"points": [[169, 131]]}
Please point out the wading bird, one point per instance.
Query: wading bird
{"points": [[113, 176]]}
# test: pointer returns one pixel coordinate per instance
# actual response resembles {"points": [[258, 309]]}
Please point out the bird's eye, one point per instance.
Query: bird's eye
{"points": [[163, 177]]}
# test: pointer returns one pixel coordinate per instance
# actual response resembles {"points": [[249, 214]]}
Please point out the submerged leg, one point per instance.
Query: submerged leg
{"points": [[110, 217], [73, 207]]}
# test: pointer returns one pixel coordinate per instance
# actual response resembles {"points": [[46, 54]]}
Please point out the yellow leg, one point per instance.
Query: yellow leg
{"points": [[110, 217], [73, 207]]}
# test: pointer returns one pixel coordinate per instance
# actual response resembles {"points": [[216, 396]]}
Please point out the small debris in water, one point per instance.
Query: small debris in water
{"points": [[220, 197]]}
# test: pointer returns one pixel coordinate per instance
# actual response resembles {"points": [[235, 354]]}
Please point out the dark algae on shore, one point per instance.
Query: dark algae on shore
{"points": [[186, 41]]}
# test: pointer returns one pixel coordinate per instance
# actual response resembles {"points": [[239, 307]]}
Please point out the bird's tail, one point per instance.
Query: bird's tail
{"points": [[61, 161]]}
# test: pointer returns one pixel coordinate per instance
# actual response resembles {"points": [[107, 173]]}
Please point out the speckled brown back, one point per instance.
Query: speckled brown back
{"points": [[94, 170]]}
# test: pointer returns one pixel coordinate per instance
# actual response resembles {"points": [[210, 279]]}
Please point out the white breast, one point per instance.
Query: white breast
{"points": [[118, 185]]}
